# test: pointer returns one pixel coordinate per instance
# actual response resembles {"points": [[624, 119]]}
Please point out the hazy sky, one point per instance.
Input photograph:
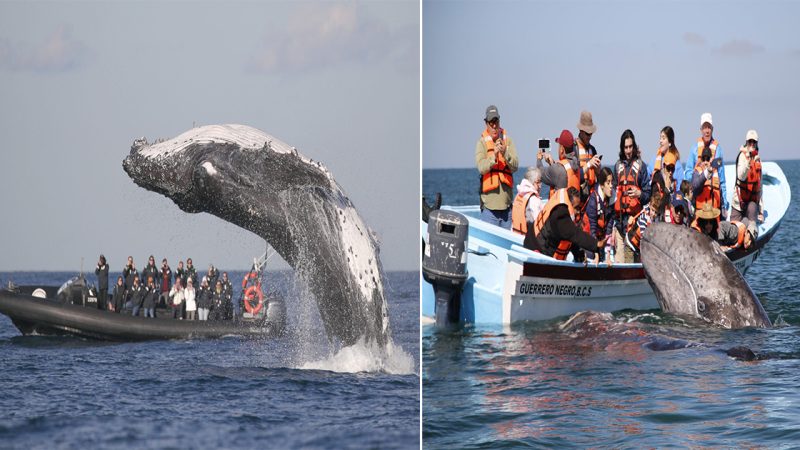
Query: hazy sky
{"points": [[639, 65], [79, 81]]}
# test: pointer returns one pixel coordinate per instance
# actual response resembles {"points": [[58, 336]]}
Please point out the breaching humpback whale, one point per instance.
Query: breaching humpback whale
{"points": [[691, 275], [249, 178]]}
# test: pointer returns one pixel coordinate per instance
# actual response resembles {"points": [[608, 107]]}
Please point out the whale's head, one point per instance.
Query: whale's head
{"points": [[247, 177]]}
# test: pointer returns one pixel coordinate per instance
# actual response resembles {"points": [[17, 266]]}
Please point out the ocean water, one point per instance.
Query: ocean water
{"points": [[291, 392], [530, 385]]}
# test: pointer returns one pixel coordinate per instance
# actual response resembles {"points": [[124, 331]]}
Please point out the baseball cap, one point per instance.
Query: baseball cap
{"points": [[566, 139], [751, 134], [491, 113]]}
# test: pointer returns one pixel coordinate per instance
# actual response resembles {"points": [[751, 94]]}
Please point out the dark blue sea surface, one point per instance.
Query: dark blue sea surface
{"points": [[291, 392], [530, 385]]}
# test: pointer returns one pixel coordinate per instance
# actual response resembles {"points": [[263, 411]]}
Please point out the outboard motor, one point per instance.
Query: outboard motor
{"points": [[276, 315], [74, 291], [444, 262]]}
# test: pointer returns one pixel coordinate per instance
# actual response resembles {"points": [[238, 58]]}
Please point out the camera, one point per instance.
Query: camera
{"points": [[544, 143]]}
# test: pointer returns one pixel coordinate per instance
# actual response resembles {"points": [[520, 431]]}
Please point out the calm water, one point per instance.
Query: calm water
{"points": [[530, 385], [294, 392]]}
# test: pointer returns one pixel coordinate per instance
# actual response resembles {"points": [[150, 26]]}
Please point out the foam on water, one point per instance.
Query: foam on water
{"points": [[366, 357]]}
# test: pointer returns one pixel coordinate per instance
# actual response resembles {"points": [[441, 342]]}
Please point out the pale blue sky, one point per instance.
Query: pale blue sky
{"points": [[79, 81], [638, 65]]}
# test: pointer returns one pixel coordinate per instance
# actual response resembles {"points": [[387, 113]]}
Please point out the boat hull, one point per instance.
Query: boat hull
{"points": [[33, 315]]}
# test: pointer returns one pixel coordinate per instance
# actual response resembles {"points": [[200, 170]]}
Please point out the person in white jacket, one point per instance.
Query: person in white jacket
{"points": [[177, 296], [189, 296], [528, 199]]}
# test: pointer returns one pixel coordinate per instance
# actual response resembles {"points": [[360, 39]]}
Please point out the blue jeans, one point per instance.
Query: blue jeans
{"points": [[150, 312], [501, 218], [135, 310]]}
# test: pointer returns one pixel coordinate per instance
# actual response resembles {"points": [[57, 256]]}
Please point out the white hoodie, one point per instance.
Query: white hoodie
{"points": [[535, 203], [189, 294]]}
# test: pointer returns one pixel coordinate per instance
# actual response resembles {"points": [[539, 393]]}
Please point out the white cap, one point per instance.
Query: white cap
{"points": [[751, 134], [706, 117]]}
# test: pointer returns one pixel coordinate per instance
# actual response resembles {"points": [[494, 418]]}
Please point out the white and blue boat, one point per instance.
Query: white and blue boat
{"points": [[495, 280]]}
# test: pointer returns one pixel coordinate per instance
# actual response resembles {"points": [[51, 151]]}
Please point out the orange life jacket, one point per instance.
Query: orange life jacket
{"points": [[518, 222], [559, 197], [573, 177], [634, 232], [657, 163], [710, 192], [625, 179], [742, 229], [499, 172], [750, 189], [590, 178]]}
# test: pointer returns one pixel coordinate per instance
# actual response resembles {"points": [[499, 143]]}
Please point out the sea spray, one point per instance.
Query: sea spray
{"points": [[366, 357]]}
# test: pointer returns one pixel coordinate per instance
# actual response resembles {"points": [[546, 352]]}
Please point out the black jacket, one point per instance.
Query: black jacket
{"points": [[149, 271], [204, 298], [181, 273], [118, 297], [102, 277], [128, 274], [136, 294], [160, 281], [559, 227], [150, 297]]}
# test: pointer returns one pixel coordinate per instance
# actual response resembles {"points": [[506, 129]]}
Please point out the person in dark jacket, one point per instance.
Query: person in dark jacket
{"points": [[129, 272], [213, 275], [135, 297], [102, 284], [227, 290], [204, 300], [180, 274], [164, 284], [150, 298], [150, 270], [599, 217], [191, 271], [118, 296], [560, 226], [218, 300]]}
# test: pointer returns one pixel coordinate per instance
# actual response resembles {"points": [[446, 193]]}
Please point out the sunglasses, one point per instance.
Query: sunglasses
{"points": [[670, 167]]}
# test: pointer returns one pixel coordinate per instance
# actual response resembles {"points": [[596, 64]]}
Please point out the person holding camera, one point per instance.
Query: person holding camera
{"points": [[746, 201], [497, 160], [707, 141], [566, 172], [706, 186], [102, 283]]}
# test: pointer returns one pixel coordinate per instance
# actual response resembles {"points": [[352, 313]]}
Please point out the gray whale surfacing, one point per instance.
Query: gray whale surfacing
{"points": [[691, 276], [249, 178]]}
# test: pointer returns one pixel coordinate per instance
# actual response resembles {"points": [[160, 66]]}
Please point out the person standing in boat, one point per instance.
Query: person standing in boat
{"points": [[497, 160], [176, 294], [164, 283], [706, 141], [565, 172], [217, 300], [212, 274], [180, 274], [191, 272], [150, 298], [706, 187], [129, 272], [204, 300], [150, 270], [554, 232], [528, 202], [227, 297], [599, 218], [587, 156], [135, 297], [190, 296], [746, 204], [118, 295], [102, 284], [633, 190]]}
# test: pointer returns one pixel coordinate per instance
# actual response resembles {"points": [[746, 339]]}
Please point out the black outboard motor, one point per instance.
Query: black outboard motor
{"points": [[74, 291], [444, 262]]}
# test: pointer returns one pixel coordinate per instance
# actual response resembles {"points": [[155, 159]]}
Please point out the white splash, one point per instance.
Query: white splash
{"points": [[363, 357], [210, 168]]}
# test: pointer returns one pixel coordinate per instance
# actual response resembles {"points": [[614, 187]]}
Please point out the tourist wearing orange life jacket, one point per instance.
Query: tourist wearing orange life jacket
{"points": [[496, 158], [649, 214], [528, 202], [666, 144], [707, 141], [747, 201], [706, 182], [663, 181], [587, 154], [707, 221], [599, 216], [729, 235], [554, 232], [633, 190]]}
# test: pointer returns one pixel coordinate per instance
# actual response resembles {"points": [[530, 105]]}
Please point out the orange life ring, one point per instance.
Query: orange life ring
{"points": [[249, 295]]}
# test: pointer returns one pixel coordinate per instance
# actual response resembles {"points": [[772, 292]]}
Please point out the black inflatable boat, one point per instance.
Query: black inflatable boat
{"points": [[50, 310]]}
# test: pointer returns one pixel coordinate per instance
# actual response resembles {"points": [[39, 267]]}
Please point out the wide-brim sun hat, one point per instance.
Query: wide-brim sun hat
{"points": [[708, 212], [586, 123]]}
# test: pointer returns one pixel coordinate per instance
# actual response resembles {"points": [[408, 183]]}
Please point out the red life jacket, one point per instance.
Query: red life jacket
{"points": [[559, 197], [518, 222], [628, 178], [750, 189], [590, 178], [499, 172]]}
